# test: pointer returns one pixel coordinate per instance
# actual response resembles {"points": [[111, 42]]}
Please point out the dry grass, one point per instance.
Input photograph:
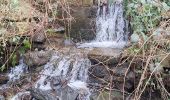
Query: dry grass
{"points": [[20, 18]]}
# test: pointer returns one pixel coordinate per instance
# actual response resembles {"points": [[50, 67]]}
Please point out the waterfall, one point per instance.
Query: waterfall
{"points": [[70, 70], [110, 26], [63, 70]]}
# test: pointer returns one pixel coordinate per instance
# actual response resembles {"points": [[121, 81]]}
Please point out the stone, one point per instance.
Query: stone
{"points": [[37, 58], [104, 55], [39, 35], [3, 79], [134, 38], [42, 95], [83, 28], [68, 94], [2, 97], [99, 74]]}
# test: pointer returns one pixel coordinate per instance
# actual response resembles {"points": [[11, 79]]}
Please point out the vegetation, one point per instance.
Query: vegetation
{"points": [[149, 20], [18, 22]]}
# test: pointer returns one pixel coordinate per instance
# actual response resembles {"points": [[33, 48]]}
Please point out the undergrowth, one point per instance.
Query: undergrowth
{"points": [[19, 20], [149, 20]]}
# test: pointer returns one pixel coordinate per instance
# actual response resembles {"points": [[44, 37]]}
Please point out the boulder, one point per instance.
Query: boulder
{"points": [[37, 58], [104, 55], [99, 74]]}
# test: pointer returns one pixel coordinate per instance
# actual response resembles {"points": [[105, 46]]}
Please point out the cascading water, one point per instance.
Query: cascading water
{"points": [[61, 71], [110, 26], [70, 70]]}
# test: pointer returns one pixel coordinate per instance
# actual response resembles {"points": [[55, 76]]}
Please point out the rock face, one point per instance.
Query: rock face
{"points": [[37, 58], [83, 28]]}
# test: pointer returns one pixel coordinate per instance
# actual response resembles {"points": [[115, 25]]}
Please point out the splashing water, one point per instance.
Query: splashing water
{"points": [[17, 71], [19, 95], [110, 27], [71, 68]]}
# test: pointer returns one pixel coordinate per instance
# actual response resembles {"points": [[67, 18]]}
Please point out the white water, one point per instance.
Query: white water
{"points": [[17, 71], [72, 68], [110, 27], [19, 95]]}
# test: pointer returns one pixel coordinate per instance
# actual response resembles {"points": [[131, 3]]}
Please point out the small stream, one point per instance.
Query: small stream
{"points": [[65, 76], [110, 27], [61, 71]]}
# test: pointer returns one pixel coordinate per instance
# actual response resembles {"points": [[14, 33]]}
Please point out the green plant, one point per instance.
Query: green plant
{"points": [[145, 15]]}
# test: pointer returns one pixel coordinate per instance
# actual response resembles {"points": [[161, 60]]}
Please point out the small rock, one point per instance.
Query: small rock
{"points": [[134, 38], [3, 79], [39, 36]]}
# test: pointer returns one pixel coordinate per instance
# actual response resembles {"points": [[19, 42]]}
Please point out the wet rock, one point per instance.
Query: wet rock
{"points": [[104, 55], [2, 97], [99, 74], [68, 94], [104, 74], [37, 58], [74, 93], [42, 95], [83, 28], [3, 79]]}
